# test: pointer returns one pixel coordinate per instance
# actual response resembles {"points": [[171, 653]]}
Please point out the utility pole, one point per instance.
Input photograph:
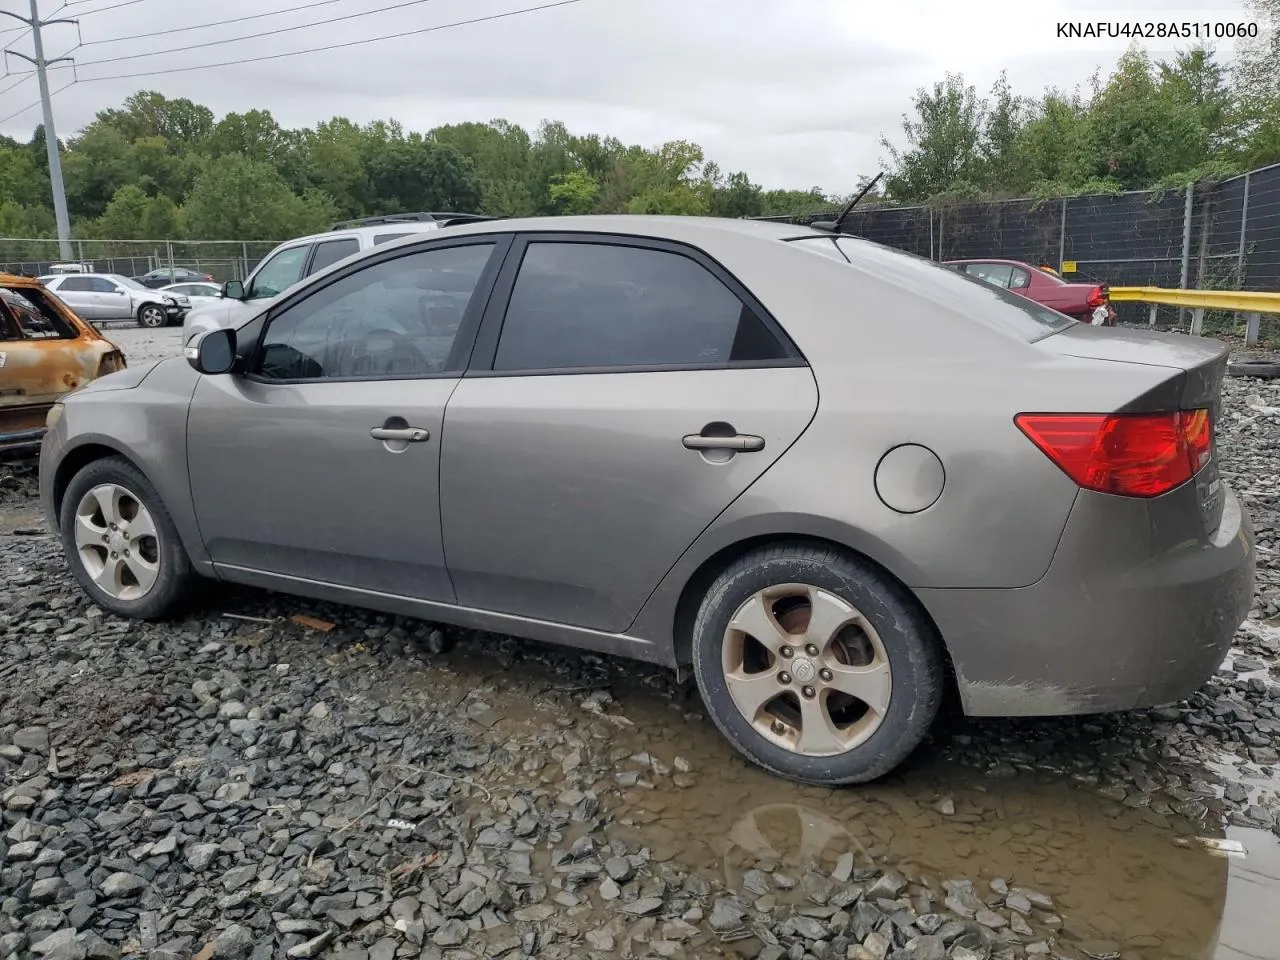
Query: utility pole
{"points": [[50, 134]]}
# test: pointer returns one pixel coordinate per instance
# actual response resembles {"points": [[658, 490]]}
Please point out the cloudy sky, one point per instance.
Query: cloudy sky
{"points": [[796, 92]]}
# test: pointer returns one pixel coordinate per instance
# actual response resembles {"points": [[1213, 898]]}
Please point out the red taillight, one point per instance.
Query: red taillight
{"points": [[1097, 297], [1127, 454]]}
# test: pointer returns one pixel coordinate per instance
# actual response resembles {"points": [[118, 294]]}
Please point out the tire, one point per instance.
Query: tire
{"points": [[160, 554], [1266, 369], [899, 636], [152, 315]]}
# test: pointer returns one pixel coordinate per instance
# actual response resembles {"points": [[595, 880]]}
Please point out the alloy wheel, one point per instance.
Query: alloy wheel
{"points": [[152, 317], [806, 669], [116, 542]]}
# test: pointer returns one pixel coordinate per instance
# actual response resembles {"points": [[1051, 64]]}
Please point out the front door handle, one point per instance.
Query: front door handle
{"points": [[406, 434], [740, 442]]}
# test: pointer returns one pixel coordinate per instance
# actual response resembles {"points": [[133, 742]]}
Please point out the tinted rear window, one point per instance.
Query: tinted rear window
{"points": [[979, 299]]}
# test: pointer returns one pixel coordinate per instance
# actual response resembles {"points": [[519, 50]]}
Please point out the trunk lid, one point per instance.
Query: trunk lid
{"points": [[1196, 368]]}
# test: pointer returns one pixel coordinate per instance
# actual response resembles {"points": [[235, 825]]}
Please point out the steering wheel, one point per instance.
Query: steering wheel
{"points": [[404, 349]]}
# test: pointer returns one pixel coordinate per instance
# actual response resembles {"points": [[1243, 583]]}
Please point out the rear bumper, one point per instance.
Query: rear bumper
{"points": [[1127, 616]]}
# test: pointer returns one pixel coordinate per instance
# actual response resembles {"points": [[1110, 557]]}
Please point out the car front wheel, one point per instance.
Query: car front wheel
{"points": [[815, 665], [120, 542], [152, 315]]}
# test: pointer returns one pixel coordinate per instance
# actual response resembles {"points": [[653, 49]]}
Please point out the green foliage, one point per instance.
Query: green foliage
{"points": [[573, 193], [235, 197], [1146, 125]]}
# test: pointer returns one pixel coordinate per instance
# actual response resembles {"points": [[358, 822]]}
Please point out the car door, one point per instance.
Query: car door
{"points": [[77, 293], [321, 461], [623, 394], [112, 300], [278, 272]]}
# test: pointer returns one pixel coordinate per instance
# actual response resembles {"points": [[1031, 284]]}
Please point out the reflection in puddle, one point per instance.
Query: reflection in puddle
{"points": [[1117, 878], [1249, 924], [1077, 844]]}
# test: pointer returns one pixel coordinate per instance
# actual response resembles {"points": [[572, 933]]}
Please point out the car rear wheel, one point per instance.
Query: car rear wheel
{"points": [[120, 542], [816, 666], [151, 315]]}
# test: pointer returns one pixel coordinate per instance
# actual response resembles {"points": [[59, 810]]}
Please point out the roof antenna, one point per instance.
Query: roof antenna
{"points": [[834, 226]]}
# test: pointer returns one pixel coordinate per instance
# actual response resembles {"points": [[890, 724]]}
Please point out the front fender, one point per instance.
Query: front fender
{"points": [[146, 424]]}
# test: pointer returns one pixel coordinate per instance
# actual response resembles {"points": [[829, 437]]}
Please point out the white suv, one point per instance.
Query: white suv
{"points": [[295, 259]]}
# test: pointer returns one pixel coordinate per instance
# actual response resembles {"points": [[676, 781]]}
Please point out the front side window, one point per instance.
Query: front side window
{"points": [[397, 318], [278, 273], [102, 285], [581, 305], [331, 251]]}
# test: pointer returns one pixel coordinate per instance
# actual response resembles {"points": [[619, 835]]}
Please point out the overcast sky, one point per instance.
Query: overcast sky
{"points": [[796, 92]]}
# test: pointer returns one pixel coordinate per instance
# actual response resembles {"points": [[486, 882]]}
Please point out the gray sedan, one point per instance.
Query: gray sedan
{"points": [[832, 478]]}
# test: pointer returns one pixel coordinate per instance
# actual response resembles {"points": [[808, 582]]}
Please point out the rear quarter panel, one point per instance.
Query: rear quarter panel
{"points": [[896, 361]]}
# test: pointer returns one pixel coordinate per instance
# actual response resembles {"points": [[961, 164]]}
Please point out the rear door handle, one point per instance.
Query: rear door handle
{"points": [[407, 434], [743, 442]]}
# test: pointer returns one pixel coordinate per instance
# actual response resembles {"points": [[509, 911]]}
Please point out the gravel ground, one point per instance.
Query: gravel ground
{"points": [[240, 784]]}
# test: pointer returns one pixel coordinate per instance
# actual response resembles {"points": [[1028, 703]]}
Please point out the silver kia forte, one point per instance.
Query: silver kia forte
{"points": [[834, 479]]}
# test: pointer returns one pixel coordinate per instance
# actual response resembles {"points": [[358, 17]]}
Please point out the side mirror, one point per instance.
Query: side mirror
{"points": [[233, 290], [212, 353]]}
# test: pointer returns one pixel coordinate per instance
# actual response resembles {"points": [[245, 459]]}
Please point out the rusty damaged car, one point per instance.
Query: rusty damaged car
{"points": [[46, 351]]}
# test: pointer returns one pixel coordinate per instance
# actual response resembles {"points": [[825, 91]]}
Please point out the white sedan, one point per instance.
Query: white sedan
{"points": [[198, 293]]}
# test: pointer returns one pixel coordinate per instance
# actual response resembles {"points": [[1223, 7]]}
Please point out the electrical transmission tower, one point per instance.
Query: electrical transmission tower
{"points": [[50, 134]]}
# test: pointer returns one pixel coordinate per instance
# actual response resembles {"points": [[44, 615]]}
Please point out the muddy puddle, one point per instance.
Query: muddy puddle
{"points": [[1130, 879]]}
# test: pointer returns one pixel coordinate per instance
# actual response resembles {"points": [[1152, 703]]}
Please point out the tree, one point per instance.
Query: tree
{"points": [[573, 193], [419, 174], [150, 114], [236, 198], [1004, 121], [255, 135], [1137, 131], [132, 215], [943, 142], [1256, 81], [736, 197]]}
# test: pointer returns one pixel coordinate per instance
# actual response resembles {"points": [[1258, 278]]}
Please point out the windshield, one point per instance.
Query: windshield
{"points": [[127, 282], [984, 302]]}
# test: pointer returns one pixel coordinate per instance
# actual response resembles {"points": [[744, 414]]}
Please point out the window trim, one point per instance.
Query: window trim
{"points": [[486, 347], [468, 327]]}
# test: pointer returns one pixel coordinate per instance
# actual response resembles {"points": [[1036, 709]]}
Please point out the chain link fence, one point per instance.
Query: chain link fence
{"points": [[1221, 236], [222, 259]]}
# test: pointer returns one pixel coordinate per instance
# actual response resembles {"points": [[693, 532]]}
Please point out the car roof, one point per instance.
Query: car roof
{"points": [[13, 280], [657, 226], [1012, 263]]}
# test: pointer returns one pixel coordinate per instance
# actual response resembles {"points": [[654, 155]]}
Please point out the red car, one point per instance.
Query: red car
{"points": [[1086, 302]]}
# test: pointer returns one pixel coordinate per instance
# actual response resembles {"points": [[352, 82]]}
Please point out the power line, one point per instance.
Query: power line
{"points": [[19, 113], [22, 78], [254, 36], [336, 46], [216, 23], [114, 6]]}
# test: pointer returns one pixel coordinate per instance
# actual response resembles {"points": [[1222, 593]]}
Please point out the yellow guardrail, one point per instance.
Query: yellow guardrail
{"points": [[1243, 300], [1249, 302]]}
